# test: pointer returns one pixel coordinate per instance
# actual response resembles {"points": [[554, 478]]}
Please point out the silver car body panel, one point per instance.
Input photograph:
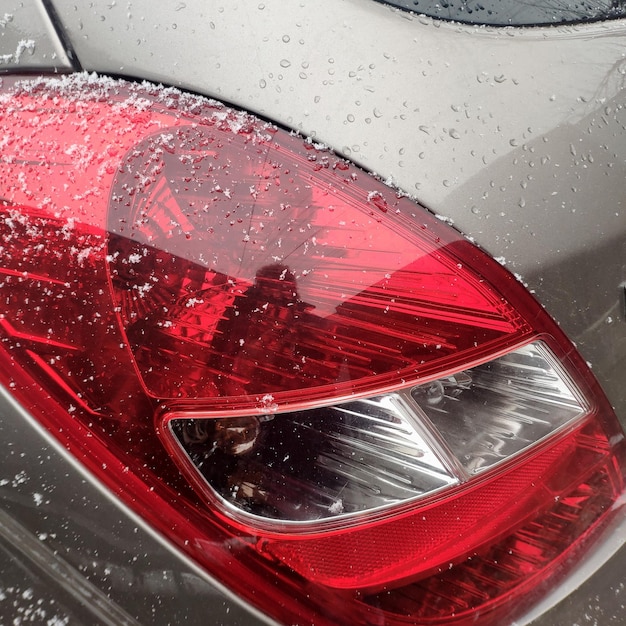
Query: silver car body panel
{"points": [[28, 38], [502, 131]]}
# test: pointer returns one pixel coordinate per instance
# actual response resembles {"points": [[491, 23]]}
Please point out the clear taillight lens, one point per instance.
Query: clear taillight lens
{"points": [[327, 397], [376, 452]]}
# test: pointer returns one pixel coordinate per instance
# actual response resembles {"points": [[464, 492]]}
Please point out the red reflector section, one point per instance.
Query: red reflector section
{"points": [[443, 533], [513, 565], [164, 255], [265, 273]]}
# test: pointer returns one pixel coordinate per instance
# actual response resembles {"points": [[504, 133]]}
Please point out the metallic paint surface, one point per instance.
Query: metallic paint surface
{"points": [[28, 39]]}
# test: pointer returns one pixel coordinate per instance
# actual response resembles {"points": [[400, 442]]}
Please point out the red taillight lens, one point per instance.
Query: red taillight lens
{"points": [[328, 398]]}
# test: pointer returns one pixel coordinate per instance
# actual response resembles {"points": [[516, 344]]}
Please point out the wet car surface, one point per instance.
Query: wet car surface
{"points": [[514, 136]]}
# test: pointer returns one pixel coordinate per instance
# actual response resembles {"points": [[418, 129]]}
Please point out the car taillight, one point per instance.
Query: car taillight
{"points": [[335, 404]]}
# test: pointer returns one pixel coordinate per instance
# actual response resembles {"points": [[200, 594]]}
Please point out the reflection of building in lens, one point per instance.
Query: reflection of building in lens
{"points": [[261, 341]]}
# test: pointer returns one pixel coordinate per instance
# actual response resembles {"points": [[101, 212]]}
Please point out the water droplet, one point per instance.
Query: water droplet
{"points": [[285, 63], [262, 83], [454, 133], [286, 38], [377, 113], [261, 7], [350, 117]]}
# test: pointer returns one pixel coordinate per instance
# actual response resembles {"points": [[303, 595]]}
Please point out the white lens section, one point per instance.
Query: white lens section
{"points": [[492, 412], [319, 463], [373, 453], [376, 447]]}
